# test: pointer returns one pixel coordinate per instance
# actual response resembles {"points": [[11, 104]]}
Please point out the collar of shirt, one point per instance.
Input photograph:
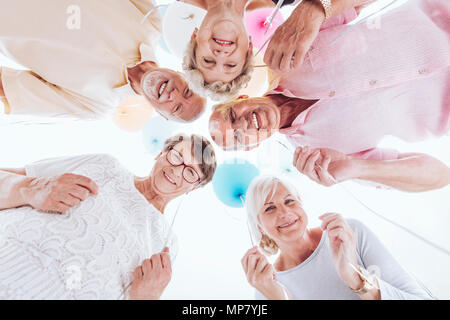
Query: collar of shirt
{"points": [[146, 54]]}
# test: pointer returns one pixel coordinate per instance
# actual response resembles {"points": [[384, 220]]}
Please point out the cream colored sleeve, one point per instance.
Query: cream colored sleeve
{"points": [[155, 18], [28, 94]]}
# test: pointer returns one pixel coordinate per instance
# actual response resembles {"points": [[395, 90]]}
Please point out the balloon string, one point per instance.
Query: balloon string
{"points": [[247, 222], [165, 243], [269, 19], [380, 216], [151, 11]]}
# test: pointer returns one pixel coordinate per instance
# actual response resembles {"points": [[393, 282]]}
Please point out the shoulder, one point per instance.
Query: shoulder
{"points": [[357, 226]]}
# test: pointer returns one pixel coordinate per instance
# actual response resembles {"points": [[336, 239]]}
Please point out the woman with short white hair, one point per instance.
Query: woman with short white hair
{"points": [[326, 262]]}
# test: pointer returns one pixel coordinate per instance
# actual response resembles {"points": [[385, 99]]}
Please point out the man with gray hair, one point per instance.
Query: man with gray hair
{"points": [[84, 59]]}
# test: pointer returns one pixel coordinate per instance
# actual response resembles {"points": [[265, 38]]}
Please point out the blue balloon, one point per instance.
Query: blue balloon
{"points": [[231, 181], [156, 132]]}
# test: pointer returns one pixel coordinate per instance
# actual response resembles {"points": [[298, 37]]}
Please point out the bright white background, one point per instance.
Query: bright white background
{"points": [[212, 237]]}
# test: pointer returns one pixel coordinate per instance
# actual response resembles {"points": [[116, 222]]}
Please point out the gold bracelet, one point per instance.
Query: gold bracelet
{"points": [[326, 4]]}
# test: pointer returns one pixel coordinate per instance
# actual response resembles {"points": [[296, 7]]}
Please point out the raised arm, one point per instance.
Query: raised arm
{"points": [[27, 93], [292, 40], [394, 282], [411, 172], [56, 194]]}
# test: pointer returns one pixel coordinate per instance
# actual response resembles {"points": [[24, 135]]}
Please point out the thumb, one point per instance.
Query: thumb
{"points": [[166, 250]]}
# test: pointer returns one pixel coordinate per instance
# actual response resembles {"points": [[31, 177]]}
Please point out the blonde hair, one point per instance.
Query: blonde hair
{"points": [[219, 90], [259, 190]]}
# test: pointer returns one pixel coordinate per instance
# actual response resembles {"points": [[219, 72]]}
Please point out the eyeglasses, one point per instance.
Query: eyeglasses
{"points": [[176, 160]]}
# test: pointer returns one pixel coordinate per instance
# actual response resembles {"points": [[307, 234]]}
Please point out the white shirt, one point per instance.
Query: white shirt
{"points": [[89, 252], [316, 277]]}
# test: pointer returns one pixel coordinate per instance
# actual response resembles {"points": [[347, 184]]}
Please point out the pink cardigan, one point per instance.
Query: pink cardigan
{"points": [[375, 82]]}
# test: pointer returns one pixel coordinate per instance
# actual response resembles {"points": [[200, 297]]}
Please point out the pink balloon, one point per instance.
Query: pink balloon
{"points": [[254, 21]]}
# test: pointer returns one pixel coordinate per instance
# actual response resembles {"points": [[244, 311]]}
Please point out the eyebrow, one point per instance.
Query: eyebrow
{"points": [[284, 198]]}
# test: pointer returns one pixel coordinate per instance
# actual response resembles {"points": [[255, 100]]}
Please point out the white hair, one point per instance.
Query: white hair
{"points": [[219, 90], [260, 189]]}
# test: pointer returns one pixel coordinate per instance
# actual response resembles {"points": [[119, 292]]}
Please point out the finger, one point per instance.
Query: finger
{"points": [[325, 177], [337, 223], [146, 267], [69, 200], [156, 262], [252, 261], [327, 219], [302, 159], [262, 263], [339, 234], [244, 260], [276, 58], [61, 208], [300, 53], [285, 60], [310, 165], [268, 270], [296, 155], [268, 56], [86, 183], [79, 192], [137, 274], [165, 262]]}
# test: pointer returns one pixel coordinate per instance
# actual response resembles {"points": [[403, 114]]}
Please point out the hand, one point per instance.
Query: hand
{"points": [[58, 194], [152, 277], [324, 166], [261, 275], [292, 40], [343, 248]]}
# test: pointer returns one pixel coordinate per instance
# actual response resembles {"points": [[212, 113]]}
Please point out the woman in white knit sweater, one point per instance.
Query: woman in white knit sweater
{"points": [[341, 259], [110, 231]]}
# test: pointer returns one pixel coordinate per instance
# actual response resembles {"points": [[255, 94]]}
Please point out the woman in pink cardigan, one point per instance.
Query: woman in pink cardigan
{"points": [[355, 86]]}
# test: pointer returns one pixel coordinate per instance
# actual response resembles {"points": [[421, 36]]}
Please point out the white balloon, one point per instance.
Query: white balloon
{"points": [[179, 22]]}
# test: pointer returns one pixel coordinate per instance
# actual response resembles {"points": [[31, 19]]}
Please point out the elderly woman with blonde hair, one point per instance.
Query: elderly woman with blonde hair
{"points": [[326, 262], [218, 60]]}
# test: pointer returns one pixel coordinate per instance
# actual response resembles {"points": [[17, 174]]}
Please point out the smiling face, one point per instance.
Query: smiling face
{"points": [[244, 122], [222, 46], [282, 217], [171, 180], [169, 94]]}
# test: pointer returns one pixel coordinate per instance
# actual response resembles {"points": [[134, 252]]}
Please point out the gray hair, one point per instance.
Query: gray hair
{"points": [[202, 150], [259, 190], [219, 90]]}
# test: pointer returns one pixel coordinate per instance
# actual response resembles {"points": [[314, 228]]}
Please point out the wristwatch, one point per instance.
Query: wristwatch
{"points": [[326, 4], [368, 281]]}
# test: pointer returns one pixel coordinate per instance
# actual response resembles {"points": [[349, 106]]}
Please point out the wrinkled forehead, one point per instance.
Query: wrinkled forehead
{"points": [[192, 153]]}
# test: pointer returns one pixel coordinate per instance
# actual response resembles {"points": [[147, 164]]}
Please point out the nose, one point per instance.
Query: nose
{"points": [[221, 52], [177, 173], [240, 123], [283, 211]]}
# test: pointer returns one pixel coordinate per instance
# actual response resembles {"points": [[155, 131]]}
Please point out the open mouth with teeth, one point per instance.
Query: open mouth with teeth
{"points": [[288, 224], [162, 88], [169, 179], [256, 121], [223, 43]]}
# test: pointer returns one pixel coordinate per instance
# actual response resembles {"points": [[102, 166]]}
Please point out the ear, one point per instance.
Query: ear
{"points": [[243, 96], [194, 34]]}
